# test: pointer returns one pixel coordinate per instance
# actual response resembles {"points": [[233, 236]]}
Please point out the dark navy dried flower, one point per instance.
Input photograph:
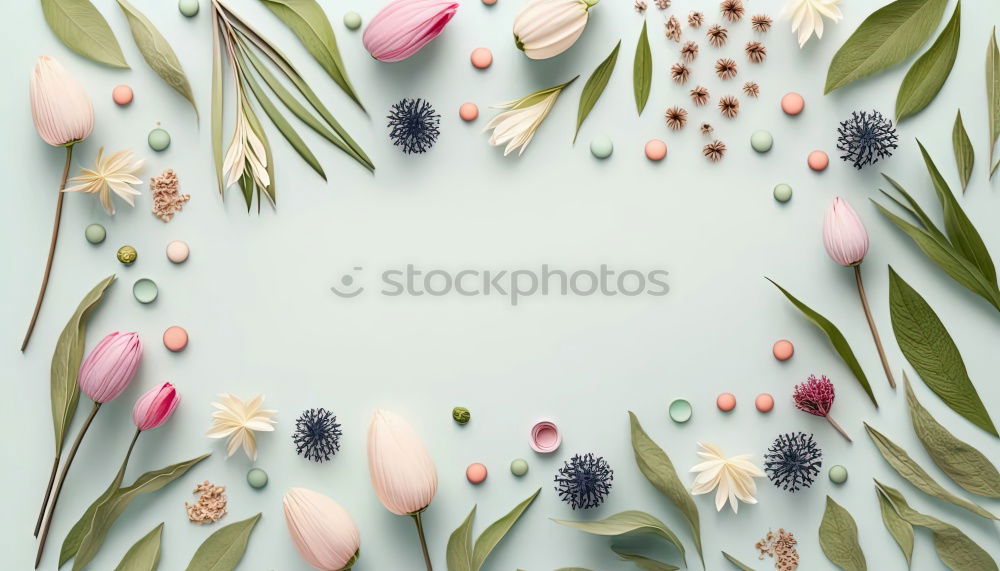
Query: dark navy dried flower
{"points": [[414, 125], [793, 461], [584, 481], [866, 137], [317, 434]]}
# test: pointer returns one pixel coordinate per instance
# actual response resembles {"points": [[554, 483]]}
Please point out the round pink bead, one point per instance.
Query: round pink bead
{"points": [[818, 161], [792, 103], [726, 402], [783, 350], [489, 2], [656, 150], [481, 58], [175, 338], [122, 94], [764, 402], [476, 473], [468, 112]]}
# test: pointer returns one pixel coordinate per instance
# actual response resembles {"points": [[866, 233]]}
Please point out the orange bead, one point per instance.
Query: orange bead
{"points": [[481, 58], [468, 112], [792, 103], [764, 402], [122, 94], [476, 473], [783, 350], [656, 150], [818, 161], [175, 338], [726, 402]]}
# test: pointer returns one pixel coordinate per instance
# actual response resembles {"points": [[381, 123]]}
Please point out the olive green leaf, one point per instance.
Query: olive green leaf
{"points": [[459, 553], [83, 29], [955, 549], [929, 348], [886, 37], [306, 19], [157, 52], [223, 549], [898, 528], [837, 339], [594, 87], [642, 71], [838, 536], [965, 465], [623, 523], [993, 97], [643, 562], [737, 563], [217, 103], [908, 468], [463, 556], [145, 554], [928, 74], [965, 156], [656, 466]]}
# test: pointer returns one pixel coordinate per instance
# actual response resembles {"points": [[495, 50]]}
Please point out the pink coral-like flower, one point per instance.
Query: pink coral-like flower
{"points": [[403, 27], [155, 407], [815, 396], [110, 366]]}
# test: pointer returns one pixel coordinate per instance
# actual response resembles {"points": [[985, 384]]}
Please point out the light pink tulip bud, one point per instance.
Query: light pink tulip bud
{"points": [[110, 366], [844, 235], [402, 471], [60, 107], [155, 407], [322, 531], [403, 27]]}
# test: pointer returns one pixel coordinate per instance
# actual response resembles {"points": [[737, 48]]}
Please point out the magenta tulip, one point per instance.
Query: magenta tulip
{"points": [[110, 366], [403, 27], [155, 407]]}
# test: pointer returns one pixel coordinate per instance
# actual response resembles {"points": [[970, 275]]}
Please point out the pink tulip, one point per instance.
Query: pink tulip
{"points": [[110, 366], [60, 107], [844, 235], [402, 471], [403, 27], [155, 407], [323, 532]]}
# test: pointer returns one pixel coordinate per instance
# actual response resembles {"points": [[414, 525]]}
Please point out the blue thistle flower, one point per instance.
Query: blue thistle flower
{"points": [[584, 481], [793, 461], [865, 138], [414, 125], [317, 435]]}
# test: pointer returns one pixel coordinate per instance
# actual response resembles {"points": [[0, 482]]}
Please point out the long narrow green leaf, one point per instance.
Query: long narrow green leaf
{"points": [[497, 530], [224, 549], [736, 562], [217, 101], [913, 207], [838, 536], [993, 98], [594, 87], [145, 554], [624, 523], [642, 70], [898, 528], [459, 552], [928, 74], [965, 154], [258, 129], [643, 562], [83, 29]]}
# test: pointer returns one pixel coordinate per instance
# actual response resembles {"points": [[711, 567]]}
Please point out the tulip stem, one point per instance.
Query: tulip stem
{"points": [[62, 478], [837, 426], [423, 540], [48, 493], [52, 247], [871, 325]]}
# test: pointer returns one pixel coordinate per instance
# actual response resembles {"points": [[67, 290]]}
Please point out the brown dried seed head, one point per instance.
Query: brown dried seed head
{"points": [[729, 106], [717, 36], [676, 118], [672, 29], [756, 52], [680, 73], [640, 6], [706, 129], [696, 19], [725, 68], [761, 23], [662, 4], [714, 151], [699, 95], [751, 89], [732, 10], [689, 51]]}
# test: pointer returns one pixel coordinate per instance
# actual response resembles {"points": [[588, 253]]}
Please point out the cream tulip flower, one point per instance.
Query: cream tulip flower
{"points": [[732, 478], [239, 420], [516, 126], [807, 17], [547, 28]]}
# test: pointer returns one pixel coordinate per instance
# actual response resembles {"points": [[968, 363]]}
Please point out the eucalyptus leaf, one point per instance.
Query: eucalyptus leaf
{"points": [[838, 536], [966, 466], [145, 554], [643, 562], [886, 37], [656, 466], [624, 523], [965, 155], [306, 19], [993, 97], [594, 87], [737, 563], [836, 338], [157, 52], [642, 71], [908, 468], [497, 530], [898, 528], [928, 74], [83, 29], [459, 553], [929, 348], [955, 549], [223, 549]]}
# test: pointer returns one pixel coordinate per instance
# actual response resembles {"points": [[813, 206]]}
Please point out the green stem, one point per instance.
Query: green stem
{"points": [[48, 492], [871, 325], [423, 540]]}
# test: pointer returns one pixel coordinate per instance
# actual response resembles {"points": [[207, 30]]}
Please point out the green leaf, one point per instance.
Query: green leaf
{"points": [[492, 535], [642, 71], [736, 562], [886, 37], [594, 87], [63, 385], [83, 29], [898, 528], [929, 348], [928, 74], [223, 549], [838, 536], [837, 339], [258, 129], [157, 52], [912, 472], [993, 96], [643, 562], [217, 101], [955, 549], [965, 156], [966, 466], [108, 508], [310, 24], [145, 554], [624, 523], [459, 553]]}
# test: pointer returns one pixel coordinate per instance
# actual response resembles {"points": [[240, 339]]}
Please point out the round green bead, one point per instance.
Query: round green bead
{"points": [[838, 474], [127, 255], [158, 139], [602, 147], [95, 233], [680, 411], [761, 141], [461, 414], [257, 478], [519, 467], [188, 8], [782, 193], [352, 20]]}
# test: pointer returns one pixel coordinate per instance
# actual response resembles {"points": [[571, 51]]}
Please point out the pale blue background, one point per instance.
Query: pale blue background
{"points": [[254, 295]]}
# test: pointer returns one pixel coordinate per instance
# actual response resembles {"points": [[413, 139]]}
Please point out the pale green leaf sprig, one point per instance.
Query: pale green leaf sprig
{"points": [[224, 549], [464, 555], [838, 537], [927, 75]]}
